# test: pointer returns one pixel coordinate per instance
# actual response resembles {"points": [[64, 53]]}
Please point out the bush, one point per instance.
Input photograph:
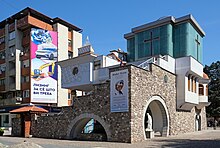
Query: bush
{"points": [[1, 132]]}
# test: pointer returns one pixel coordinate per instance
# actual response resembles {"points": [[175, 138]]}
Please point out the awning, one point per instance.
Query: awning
{"points": [[31, 109]]}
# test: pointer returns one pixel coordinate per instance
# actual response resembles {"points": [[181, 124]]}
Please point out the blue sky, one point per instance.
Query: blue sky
{"points": [[106, 22]]}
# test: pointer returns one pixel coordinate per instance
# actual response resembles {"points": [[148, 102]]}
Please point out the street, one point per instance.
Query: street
{"points": [[202, 139]]}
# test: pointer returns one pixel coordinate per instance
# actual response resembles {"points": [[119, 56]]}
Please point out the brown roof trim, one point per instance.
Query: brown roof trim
{"points": [[61, 21], [38, 15]]}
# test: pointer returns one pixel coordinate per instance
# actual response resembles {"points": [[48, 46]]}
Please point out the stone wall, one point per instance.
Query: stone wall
{"points": [[125, 126], [144, 85], [16, 127], [97, 106]]}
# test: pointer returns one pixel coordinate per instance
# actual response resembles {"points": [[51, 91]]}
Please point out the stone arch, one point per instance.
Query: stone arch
{"points": [[156, 103], [197, 117], [80, 121]]}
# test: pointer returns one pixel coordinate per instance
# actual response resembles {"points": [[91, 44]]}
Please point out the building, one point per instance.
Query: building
{"points": [[26, 39], [177, 37], [175, 45], [161, 91]]}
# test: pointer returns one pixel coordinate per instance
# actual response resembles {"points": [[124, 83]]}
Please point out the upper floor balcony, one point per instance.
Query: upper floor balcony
{"points": [[28, 21], [2, 46], [2, 32], [2, 74], [25, 85], [24, 56], [188, 65], [2, 88], [10, 101], [25, 71]]}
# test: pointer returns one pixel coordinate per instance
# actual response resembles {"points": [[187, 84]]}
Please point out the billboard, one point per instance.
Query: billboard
{"points": [[43, 68], [119, 91]]}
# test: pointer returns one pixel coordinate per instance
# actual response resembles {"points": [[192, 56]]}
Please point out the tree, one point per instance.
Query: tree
{"points": [[213, 71]]}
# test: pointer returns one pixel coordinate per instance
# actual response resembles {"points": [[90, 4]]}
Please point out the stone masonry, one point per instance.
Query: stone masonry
{"points": [[123, 126]]}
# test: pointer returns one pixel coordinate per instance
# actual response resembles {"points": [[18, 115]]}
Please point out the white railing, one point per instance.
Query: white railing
{"points": [[145, 64]]}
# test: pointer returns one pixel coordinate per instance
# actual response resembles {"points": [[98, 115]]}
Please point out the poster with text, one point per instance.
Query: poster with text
{"points": [[43, 67], [119, 91]]}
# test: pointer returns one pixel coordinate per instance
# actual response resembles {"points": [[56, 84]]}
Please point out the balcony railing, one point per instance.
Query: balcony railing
{"points": [[2, 87], [12, 72], [12, 86], [25, 56], [25, 85], [22, 23], [10, 101], [26, 41], [2, 46]]}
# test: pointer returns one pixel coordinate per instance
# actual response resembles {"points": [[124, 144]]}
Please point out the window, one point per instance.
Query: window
{"points": [[97, 64], [194, 85], [69, 95], [2, 82], [2, 39], [11, 35], [26, 49], [6, 119], [70, 55], [207, 90], [25, 63], [2, 68], [201, 90], [2, 55], [25, 79], [70, 43], [189, 83], [26, 93], [12, 51]]}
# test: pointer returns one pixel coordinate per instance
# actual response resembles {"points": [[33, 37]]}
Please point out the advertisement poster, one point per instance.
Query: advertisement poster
{"points": [[43, 68], [119, 91]]}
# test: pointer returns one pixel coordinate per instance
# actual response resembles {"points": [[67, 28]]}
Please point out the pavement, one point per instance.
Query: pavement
{"points": [[202, 139]]}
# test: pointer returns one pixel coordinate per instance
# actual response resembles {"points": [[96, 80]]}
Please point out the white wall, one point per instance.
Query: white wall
{"points": [[77, 42], [110, 62], [62, 94], [83, 77], [189, 64], [17, 70], [168, 63]]}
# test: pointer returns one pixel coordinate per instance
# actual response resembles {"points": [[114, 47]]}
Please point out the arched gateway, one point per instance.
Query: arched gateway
{"points": [[78, 123], [157, 109]]}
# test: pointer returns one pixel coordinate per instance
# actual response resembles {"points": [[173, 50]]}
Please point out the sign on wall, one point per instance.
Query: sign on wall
{"points": [[43, 68], [119, 91]]}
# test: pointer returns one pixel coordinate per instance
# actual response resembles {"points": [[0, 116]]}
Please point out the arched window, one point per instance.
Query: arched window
{"points": [[188, 82], [194, 85], [201, 90]]}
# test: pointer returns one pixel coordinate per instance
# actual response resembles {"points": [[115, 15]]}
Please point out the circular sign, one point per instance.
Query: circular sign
{"points": [[75, 70]]}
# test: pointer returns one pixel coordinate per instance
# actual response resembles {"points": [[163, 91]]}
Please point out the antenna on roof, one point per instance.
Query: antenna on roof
{"points": [[87, 41]]}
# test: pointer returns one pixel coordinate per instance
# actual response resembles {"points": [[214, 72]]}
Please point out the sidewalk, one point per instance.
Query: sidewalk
{"points": [[202, 139]]}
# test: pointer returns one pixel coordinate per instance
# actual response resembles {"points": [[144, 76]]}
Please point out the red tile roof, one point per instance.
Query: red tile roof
{"points": [[32, 108], [205, 76]]}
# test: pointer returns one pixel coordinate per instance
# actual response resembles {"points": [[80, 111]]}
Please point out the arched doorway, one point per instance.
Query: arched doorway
{"points": [[88, 127], [158, 112], [197, 119]]}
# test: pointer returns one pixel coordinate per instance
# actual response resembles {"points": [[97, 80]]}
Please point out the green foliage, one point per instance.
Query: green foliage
{"points": [[1, 132], [213, 71]]}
